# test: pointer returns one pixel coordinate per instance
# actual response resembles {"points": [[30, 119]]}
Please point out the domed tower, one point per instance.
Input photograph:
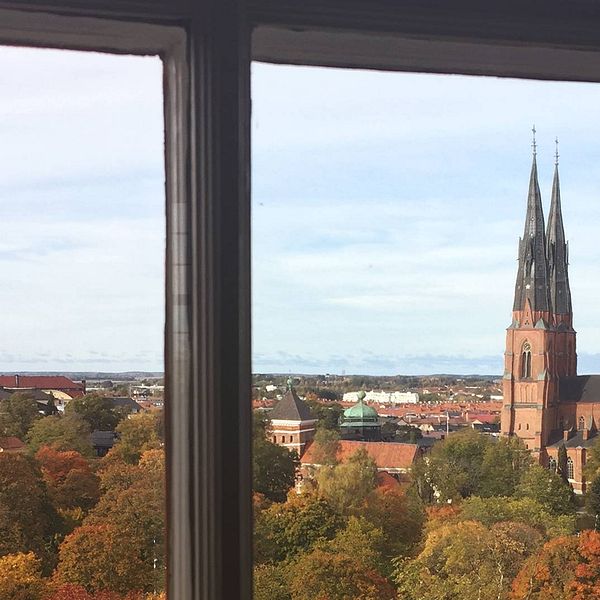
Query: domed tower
{"points": [[360, 422]]}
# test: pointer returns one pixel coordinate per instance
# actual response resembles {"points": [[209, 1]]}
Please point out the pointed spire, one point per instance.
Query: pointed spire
{"points": [[558, 266], [532, 275]]}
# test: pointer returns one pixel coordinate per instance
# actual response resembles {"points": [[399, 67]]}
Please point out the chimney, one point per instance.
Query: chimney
{"points": [[16, 381], [566, 434], [586, 434], [83, 382]]}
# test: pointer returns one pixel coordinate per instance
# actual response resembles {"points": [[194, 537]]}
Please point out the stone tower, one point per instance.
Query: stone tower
{"points": [[540, 342]]}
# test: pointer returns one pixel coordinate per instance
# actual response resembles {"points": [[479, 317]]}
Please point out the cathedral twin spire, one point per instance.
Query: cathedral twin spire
{"points": [[542, 277]]}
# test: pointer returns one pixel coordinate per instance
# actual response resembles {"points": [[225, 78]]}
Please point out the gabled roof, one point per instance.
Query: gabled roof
{"points": [[291, 408], [387, 455], [125, 402]]}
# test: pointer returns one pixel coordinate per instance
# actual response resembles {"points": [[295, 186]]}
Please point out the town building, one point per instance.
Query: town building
{"points": [[360, 422], [392, 458], [292, 424], [384, 397], [546, 403], [61, 387]]}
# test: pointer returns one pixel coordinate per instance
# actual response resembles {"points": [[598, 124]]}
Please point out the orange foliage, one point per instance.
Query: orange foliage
{"points": [[441, 515], [69, 478], [566, 568]]}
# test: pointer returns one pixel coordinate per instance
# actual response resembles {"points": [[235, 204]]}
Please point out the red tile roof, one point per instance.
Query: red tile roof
{"points": [[42, 382], [11, 443], [387, 455]]}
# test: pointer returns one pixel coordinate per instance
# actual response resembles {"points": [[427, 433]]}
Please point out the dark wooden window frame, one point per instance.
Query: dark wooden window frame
{"points": [[207, 46]]}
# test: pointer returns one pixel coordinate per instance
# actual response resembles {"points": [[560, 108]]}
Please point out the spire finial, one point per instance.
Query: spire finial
{"points": [[533, 143], [556, 155], [361, 395], [290, 383]]}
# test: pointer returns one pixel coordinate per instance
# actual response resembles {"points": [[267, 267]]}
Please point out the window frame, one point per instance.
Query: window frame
{"points": [[207, 46]]}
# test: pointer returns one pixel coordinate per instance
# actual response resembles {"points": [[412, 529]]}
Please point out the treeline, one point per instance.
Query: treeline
{"points": [[477, 520], [332, 387], [74, 527]]}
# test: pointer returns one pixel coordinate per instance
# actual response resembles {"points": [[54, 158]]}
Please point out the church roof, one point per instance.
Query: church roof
{"points": [[532, 275], [557, 253], [291, 408], [582, 388], [361, 411], [576, 441]]}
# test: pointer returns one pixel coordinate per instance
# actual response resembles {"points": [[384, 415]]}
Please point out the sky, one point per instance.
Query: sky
{"points": [[81, 211], [387, 209], [386, 212]]}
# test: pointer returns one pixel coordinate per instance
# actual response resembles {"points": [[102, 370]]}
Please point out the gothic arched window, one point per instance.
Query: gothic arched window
{"points": [[552, 464], [570, 468], [526, 361], [581, 423]]}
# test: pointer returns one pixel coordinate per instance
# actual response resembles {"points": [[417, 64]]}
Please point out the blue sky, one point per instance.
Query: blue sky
{"points": [[81, 211], [386, 213], [387, 209]]}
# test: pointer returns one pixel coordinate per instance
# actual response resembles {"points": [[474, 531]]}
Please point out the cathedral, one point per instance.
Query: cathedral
{"points": [[546, 403]]}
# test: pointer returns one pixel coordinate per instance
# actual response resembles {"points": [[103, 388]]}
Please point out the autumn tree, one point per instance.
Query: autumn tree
{"points": [[99, 412], [102, 557], [120, 545], [28, 521], [347, 485], [399, 516], [547, 575], [18, 412], [70, 591], [489, 511], [328, 415], [270, 582], [326, 444], [468, 561], [502, 466], [273, 467], [137, 434], [69, 478], [453, 469], [21, 577], [69, 432], [286, 529], [322, 575], [547, 488]]}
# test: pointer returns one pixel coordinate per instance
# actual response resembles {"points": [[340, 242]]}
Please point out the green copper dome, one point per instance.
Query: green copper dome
{"points": [[361, 412]]}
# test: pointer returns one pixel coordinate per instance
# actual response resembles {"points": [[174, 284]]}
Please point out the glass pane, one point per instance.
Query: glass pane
{"points": [[422, 412], [81, 344]]}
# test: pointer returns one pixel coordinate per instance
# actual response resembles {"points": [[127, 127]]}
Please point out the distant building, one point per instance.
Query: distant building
{"points": [[360, 422], [129, 405], [384, 397], [292, 424], [57, 384], [103, 441]]}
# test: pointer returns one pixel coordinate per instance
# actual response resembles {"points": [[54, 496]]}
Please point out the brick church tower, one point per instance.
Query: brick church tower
{"points": [[540, 342]]}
